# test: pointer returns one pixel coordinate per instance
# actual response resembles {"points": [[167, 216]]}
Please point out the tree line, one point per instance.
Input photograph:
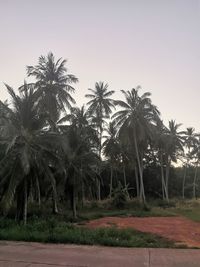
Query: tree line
{"points": [[53, 150]]}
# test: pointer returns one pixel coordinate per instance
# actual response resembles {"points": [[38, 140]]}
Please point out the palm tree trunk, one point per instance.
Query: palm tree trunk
{"points": [[38, 192], [142, 194], [125, 183], [74, 203], [25, 203], [194, 182], [184, 179], [124, 175], [99, 180], [167, 180], [164, 190], [54, 199], [137, 182], [83, 193], [111, 180], [31, 198]]}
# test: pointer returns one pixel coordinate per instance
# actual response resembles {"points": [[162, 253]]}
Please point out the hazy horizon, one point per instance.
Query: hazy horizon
{"points": [[127, 43]]}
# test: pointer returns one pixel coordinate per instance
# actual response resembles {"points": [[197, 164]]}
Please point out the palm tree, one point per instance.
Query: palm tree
{"points": [[29, 149], [100, 107], [160, 144], [111, 150], [53, 85], [196, 154], [79, 155], [173, 148], [135, 122], [189, 142]]}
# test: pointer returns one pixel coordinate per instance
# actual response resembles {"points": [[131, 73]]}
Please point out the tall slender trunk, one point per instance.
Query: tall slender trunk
{"points": [[83, 193], [82, 186], [125, 183], [194, 182], [38, 192], [31, 198], [124, 175], [111, 180], [142, 194], [54, 200], [183, 184], [164, 190], [74, 203], [25, 203], [137, 182], [167, 180], [99, 180], [99, 189]]}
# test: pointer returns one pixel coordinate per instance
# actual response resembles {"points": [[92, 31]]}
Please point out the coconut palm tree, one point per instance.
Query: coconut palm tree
{"points": [[29, 149], [100, 107], [111, 150], [135, 122], [79, 155], [54, 86], [173, 149], [160, 136], [189, 142], [195, 153]]}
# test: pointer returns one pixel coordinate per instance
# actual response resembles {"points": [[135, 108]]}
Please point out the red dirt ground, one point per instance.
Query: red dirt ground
{"points": [[178, 229]]}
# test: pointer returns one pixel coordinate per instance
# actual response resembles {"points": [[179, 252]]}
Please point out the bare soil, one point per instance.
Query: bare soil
{"points": [[178, 229]]}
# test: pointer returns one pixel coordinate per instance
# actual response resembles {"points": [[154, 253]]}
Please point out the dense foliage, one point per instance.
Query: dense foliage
{"points": [[52, 150]]}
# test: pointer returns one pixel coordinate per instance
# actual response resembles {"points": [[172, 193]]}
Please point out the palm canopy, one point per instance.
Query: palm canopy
{"points": [[79, 154], [79, 119], [190, 138], [100, 104], [174, 140], [28, 147], [195, 152], [137, 114], [54, 84], [111, 147]]}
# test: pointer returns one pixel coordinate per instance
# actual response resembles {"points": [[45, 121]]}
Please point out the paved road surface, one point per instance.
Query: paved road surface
{"points": [[20, 254]]}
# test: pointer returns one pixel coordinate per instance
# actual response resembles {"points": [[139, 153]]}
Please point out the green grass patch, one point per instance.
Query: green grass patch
{"points": [[61, 232]]}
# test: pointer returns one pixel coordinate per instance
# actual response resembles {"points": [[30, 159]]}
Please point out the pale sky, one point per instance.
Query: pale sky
{"points": [[152, 43]]}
